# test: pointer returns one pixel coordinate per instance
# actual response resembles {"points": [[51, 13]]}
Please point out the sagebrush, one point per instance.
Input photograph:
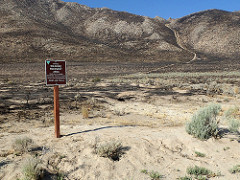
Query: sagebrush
{"points": [[204, 123]]}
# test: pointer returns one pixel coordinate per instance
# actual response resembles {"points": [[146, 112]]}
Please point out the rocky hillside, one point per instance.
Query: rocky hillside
{"points": [[212, 34], [33, 30]]}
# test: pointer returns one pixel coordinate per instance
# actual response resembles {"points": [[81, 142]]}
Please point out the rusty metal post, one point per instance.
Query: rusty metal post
{"points": [[56, 112]]}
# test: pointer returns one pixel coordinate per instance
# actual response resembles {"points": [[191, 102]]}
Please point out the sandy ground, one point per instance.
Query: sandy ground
{"points": [[149, 120], [166, 150], [153, 136]]}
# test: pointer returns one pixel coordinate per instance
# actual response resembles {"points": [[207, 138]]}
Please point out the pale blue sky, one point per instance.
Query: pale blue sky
{"points": [[162, 8]]}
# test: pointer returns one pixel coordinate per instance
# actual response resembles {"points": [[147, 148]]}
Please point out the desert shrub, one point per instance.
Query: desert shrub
{"points": [[154, 175], [196, 170], [226, 148], [234, 125], [231, 112], [198, 173], [231, 117], [235, 169], [199, 154], [112, 149], [96, 79], [22, 145], [59, 176], [144, 171], [185, 178], [32, 169], [204, 124]]}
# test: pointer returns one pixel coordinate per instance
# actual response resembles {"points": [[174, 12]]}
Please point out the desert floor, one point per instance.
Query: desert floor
{"points": [[145, 106]]}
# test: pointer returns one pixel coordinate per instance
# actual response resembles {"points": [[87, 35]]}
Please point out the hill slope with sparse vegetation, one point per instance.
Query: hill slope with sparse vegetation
{"points": [[35, 30]]}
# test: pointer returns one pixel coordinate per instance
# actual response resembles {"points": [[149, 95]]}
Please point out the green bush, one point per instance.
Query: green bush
{"points": [[234, 125], [197, 171], [199, 154], [204, 124]]}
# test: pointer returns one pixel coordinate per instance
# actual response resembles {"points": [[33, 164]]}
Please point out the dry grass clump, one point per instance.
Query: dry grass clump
{"points": [[112, 149], [231, 116], [22, 145], [236, 90], [119, 111], [48, 120], [234, 125], [100, 113], [154, 175], [32, 169], [231, 112], [90, 106], [85, 112]]}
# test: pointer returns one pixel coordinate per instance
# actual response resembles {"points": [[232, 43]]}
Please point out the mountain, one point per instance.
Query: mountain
{"points": [[211, 34], [34, 30]]}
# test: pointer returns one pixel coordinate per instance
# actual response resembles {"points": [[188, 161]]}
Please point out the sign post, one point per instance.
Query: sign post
{"points": [[55, 71], [56, 112]]}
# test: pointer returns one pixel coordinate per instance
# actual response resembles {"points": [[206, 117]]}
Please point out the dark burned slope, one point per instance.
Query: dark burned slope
{"points": [[32, 30], [211, 34]]}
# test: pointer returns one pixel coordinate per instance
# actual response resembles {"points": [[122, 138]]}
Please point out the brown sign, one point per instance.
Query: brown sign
{"points": [[55, 71]]}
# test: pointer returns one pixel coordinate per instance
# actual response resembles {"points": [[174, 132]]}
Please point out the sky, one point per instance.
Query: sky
{"points": [[162, 8]]}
